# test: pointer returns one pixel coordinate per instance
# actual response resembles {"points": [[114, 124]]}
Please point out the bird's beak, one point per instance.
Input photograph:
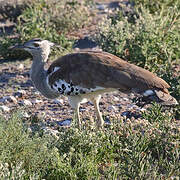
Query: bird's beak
{"points": [[17, 47], [51, 44], [59, 47], [54, 45]]}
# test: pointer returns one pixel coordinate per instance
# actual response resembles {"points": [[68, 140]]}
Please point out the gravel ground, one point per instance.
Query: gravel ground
{"points": [[17, 91]]}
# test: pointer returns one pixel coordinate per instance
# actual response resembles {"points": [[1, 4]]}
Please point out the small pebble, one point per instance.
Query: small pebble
{"points": [[131, 106], [112, 108], [20, 76], [48, 130], [26, 115], [58, 101], [36, 101], [66, 122], [107, 121], [19, 93], [101, 7], [29, 130], [116, 98], [26, 102], [125, 113], [5, 108], [37, 92], [11, 99], [20, 67], [81, 109], [2, 100], [142, 109], [125, 99], [90, 103]]}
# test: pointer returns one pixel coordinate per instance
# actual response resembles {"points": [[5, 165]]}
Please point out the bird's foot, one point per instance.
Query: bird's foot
{"points": [[100, 124], [80, 125]]}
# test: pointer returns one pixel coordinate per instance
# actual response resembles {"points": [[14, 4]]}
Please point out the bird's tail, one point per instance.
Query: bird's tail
{"points": [[159, 96]]}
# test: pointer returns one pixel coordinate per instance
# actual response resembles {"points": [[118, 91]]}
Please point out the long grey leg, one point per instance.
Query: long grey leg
{"points": [[76, 115], [100, 121], [75, 103]]}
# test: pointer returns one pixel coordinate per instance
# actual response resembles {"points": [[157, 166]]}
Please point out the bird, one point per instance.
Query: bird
{"points": [[86, 75]]}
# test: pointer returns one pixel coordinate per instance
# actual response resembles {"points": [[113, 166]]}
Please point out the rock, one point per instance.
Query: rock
{"points": [[101, 7], [26, 102], [36, 101], [142, 109], [130, 114], [26, 115], [58, 101], [107, 121], [19, 93], [13, 99], [37, 92], [66, 122], [50, 131], [20, 67], [132, 106], [5, 108], [116, 98], [112, 108], [81, 109], [20, 76], [85, 43], [132, 95], [90, 103], [125, 99], [29, 130], [2, 100], [125, 113], [65, 98], [10, 99]]}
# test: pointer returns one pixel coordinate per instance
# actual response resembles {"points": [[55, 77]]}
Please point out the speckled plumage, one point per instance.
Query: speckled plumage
{"points": [[69, 89]]}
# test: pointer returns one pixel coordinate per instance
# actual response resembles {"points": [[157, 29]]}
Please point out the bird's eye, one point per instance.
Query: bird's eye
{"points": [[36, 45]]}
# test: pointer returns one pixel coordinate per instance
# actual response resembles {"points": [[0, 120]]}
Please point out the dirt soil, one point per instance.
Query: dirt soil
{"points": [[17, 91]]}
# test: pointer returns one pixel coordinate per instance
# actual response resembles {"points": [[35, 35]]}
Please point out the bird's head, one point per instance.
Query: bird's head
{"points": [[37, 47]]}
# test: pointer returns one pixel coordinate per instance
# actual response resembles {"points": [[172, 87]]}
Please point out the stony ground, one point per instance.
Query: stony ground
{"points": [[17, 91]]}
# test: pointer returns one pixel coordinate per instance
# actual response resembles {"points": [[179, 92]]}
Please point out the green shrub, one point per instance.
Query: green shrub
{"points": [[156, 6], [51, 20], [35, 21], [22, 154], [70, 15], [11, 9], [132, 149], [150, 41], [6, 52]]}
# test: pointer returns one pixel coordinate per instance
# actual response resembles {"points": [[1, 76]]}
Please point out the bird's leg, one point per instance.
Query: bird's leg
{"points": [[75, 103], [100, 120], [76, 115]]}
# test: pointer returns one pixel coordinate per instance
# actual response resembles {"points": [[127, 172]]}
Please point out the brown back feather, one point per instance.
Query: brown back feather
{"points": [[92, 68]]}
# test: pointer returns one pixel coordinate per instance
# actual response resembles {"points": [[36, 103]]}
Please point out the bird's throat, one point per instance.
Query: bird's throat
{"points": [[38, 76]]}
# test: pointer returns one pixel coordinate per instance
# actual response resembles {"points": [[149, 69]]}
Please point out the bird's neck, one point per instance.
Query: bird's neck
{"points": [[39, 78]]}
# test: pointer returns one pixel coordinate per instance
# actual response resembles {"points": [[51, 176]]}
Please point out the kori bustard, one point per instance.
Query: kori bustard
{"points": [[86, 75]]}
